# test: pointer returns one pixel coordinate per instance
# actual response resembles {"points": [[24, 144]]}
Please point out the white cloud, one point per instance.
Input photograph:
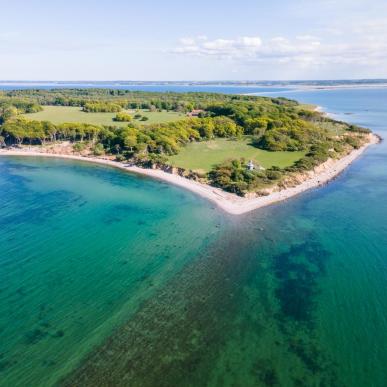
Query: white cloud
{"points": [[218, 45], [251, 41], [241, 47], [305, 50]]}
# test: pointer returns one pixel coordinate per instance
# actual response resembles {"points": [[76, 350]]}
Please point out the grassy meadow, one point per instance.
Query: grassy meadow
{"points": [[60, 114], [202, 156]]}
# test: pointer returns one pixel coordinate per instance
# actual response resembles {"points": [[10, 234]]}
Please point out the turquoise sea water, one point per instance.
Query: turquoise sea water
{"points": [[127, 281], [82, 247]]}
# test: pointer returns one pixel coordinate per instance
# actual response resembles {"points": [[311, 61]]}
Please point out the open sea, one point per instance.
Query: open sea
{"points": [[108, 278]]}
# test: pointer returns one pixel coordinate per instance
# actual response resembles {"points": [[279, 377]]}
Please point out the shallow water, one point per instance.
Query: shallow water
{"points": [[82, 247], [290, 295]]}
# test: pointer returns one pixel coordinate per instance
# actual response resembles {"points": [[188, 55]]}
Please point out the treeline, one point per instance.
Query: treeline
{"points": [[11, 107], [129, 142], [21, 130], [181, 102], [101, 107]]}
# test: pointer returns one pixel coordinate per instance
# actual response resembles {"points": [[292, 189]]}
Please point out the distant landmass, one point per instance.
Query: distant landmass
{"points": [[268, 83]]}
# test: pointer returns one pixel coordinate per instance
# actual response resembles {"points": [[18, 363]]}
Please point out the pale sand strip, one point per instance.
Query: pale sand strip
{"points": [[230, 203]]}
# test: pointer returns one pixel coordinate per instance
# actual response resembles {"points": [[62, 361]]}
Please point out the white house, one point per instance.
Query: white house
{"points": [[250, 165]]}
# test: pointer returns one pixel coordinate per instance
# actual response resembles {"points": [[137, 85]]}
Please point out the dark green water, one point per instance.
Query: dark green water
{"points": [[169, 292]]}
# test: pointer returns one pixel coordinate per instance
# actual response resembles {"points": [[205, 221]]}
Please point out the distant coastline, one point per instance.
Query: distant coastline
{"points": [[228, 202], [290, 84]]}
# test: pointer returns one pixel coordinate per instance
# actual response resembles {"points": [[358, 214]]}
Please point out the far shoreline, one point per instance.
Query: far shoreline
{"points": [[228, 202]]}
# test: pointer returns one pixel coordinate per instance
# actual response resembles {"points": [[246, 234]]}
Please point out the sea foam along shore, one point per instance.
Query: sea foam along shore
{"points": [[229, 202]]}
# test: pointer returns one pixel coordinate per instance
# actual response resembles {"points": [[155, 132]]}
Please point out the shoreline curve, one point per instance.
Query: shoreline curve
{"points": [[228, 202]]}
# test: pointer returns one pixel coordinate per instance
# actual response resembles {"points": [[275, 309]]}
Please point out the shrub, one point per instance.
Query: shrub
{"points": [[122, 117], [98, 150], [120, 158], [79, 146], [354, 142]]}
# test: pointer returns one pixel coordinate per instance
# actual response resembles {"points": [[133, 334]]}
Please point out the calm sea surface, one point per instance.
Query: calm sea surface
{"points": [[149, 87], [106, 277]]}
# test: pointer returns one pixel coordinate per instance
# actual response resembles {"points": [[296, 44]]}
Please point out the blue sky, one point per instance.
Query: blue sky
{"points": [[199, 40]]}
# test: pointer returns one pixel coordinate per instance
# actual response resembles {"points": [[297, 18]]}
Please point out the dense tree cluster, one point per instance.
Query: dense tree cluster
{"points": [[276, 126], [294, 136], [10, 107], [127, 99]]}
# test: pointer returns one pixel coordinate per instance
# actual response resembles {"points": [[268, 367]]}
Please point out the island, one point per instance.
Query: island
{"points": [[241, 152]]}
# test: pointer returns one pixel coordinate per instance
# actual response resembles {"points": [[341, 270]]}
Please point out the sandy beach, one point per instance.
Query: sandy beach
{"points": [[228, 202]]}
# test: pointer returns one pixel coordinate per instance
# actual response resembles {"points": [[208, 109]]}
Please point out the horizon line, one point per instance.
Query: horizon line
{"points": [[191, 81]]}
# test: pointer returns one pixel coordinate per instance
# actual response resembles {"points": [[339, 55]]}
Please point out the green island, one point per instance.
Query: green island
{"points": [[242, 144]]}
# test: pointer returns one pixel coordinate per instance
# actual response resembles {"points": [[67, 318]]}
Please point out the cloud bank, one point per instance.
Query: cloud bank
{"points": [[362, 45]]}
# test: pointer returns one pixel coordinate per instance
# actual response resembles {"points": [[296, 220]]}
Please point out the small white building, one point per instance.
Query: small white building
{"points": [[251, 166]]}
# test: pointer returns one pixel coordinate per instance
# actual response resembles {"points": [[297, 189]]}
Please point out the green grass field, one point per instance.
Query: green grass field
{"points": [[202, 156], [60, 114]]}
